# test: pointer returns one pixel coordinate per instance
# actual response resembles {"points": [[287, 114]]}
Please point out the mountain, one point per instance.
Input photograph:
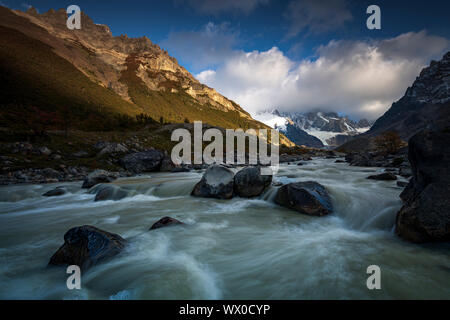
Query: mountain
{"points": [[314, 129], [425, 105], [94, 78]]}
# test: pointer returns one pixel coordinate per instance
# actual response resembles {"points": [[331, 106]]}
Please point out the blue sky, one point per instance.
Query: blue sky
{"points": [[289, 42]]}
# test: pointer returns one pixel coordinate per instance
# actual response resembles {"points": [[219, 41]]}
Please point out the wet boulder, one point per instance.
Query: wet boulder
{"points": [[58, 191], [165, 222], [425, 215], [146, 161], [385, 176], [86, 246], [217, 182], [98, 176], [308, 197], [110, 192], [249, 182]]}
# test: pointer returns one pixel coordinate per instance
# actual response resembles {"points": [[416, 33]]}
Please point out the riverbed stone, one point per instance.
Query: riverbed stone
{"points": [[110, 192], [98, 176], [249, 182], [217, 182], [308, 197], [146, 161], [165, 222], [87, 246], [58, 191], [385, 176]]}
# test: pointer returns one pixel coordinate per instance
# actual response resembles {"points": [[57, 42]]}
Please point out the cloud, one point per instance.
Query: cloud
{"points": [[220, 6], [205, 48], [358, 78], [316, 16]]}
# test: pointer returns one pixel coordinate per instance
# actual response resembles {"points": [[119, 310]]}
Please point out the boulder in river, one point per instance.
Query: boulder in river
{"points": [[425, 215], [249, 182], [308, 197], [165, 222], [146, 161], [98, 176], [58, 191], [386, 176], [217, 182], [110, 192], [86, 246]]}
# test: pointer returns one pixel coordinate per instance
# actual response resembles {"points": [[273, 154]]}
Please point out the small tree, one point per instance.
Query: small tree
{"points": [[186, 120], [161, 120], [388, 142]]}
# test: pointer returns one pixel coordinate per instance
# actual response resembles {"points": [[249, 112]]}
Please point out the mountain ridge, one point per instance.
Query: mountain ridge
{"points": [[145, 78], [314, 129], [425, 105]]}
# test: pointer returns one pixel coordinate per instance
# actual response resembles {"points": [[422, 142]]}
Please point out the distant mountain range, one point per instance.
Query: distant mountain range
{"points": [[314, 129], [93, 78]]}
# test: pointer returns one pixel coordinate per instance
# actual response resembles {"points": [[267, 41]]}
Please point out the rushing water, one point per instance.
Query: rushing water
{"points": [[230, 249]]}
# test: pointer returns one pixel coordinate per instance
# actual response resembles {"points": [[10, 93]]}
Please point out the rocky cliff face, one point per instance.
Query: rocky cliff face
{"points": [[105, 57], [425, 105], [425, 215]]}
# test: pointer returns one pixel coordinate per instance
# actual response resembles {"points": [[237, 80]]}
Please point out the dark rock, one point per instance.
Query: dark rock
{"points": [[339, 161], [386, 176], [309, 198], [167, 165], [402, 184], [113, 148], [86, 246], [425, 215], [45, 151], [405, 172], [217, 182], [59, 191], [110, 192], [81, 154], [146, 161], [165, 222], [98, 176], [180, 169], [249, 182]]}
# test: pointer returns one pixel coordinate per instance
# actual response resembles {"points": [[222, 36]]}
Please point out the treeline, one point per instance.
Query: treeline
{"points": [[39, 120]]}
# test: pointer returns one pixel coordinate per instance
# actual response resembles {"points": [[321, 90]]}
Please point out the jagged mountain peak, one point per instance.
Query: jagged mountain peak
{"points": [[326, 126]]}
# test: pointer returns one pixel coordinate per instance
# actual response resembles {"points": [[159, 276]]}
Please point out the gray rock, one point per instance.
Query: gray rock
{"points": [[59, 191], [113, 148], [249, 182], [405, 172], [146, 161], [308, 197], [165, 222], [386, 176], [81, 154], [402, 184], [217, 182], [86, 246], [110, 192], [45, 151], [98, 176]]}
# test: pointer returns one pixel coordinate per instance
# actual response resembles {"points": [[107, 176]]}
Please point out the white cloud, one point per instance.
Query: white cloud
{"points": [[316, 16], [358, 78], [220, 6]]}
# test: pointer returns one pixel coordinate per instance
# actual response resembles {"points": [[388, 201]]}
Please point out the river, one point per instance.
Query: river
{"points": [[229, 249]]}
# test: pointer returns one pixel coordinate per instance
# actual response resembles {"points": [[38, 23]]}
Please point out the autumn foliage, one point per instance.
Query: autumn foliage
{"points": [[388, 142]]}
